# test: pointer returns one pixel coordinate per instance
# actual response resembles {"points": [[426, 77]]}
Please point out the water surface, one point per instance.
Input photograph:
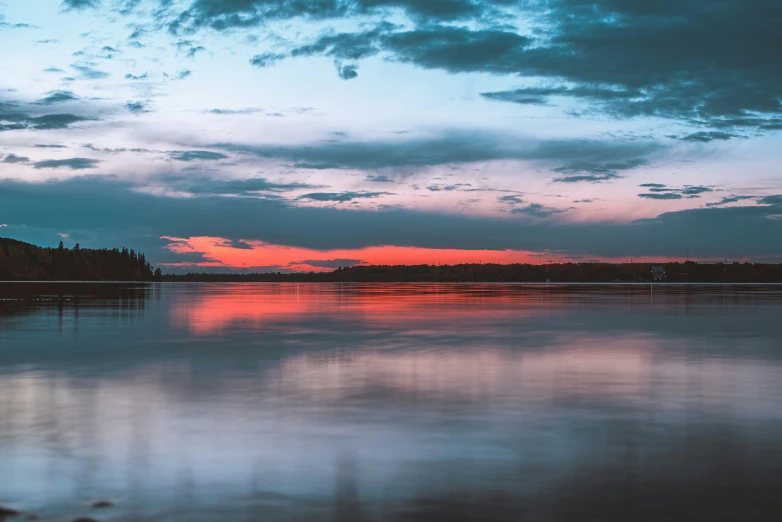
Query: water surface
{"points": [[294, 402]]}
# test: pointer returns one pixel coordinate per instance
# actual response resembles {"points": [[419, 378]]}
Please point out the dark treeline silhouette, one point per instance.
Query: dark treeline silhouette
{"points": [[689, 272], [21, 261]]}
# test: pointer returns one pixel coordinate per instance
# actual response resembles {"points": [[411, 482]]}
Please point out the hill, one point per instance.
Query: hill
{"points": [[20, 261]]}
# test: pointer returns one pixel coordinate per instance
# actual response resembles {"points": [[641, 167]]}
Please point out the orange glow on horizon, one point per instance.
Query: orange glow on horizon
{"points": [[221, 253]]}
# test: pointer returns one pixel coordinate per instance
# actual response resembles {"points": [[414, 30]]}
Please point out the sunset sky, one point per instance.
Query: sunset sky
{"points": [[287, 135]]}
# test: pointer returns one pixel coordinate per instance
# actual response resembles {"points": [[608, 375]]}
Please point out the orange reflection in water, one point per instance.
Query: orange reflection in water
{"points": [[222, 306]]}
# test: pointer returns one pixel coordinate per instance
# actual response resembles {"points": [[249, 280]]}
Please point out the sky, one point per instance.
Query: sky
{"points": [[288, 135]]}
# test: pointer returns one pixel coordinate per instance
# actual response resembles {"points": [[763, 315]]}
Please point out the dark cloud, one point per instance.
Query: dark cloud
{"points": [[181, 75], [541, 95], [134, 77], [80, 4], [137, 107], [457, 49], [771, 200], [379, 179], [447, 188], [444, 148], [342, 197], [587, 178], [70, 163], [193, 155], [50, 146], [511, 199], [596, 171], [57, 97], [55, 121], [53, 70], [661, 191], [537, 210], [195, 50], [329, 263], [689, 190], [346, 72], [128, 6], [13, 158], [266, 59], [21, 121], [87, 72], [224, 15], [706, 63], [657, 195], [243, 187], [744, 231], [729, 199], [706, 137]]}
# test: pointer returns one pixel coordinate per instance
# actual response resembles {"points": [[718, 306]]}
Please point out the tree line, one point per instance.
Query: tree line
{"points": [[689, 272], [21, 261]]}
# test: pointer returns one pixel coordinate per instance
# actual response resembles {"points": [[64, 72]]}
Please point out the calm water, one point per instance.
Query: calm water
{"points": [[244, 402]]}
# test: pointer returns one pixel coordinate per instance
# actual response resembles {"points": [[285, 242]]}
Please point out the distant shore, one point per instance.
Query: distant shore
{"points": [[688, 272]]}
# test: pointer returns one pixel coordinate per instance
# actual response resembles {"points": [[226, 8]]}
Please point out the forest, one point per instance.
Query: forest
{"points": [[21, 261]]}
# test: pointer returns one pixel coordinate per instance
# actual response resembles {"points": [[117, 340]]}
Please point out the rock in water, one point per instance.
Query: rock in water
{"points": [[102, 504]]}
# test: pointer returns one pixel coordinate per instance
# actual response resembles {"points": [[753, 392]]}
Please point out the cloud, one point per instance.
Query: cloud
{"points": [[57, 97], [661, 191], [195, 50], [771, 200], [596, 171], [541, 95], [379, 179], [346, 72], [588, 178], [70, 163], [744, 231], [193, 155], [50, 146], [511, 199], [184, 73], [657, 195], [53, 70], [342, 197], [537, 210], [21, 121], [706, 137], [13, 158], [134, 77], [447, 188], [444, 147], [232, 112], [137, 107], [55, 121], [701, 63], [729, 199], [80, 4], [88, 73], [243, 187], [266, 59]]}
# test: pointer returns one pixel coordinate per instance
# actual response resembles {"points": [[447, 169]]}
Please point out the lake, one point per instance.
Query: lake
{"points": [[297, 402]]}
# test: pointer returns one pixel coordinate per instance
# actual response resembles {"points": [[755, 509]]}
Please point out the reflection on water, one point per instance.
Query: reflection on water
{"points": [[392, 402]]}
